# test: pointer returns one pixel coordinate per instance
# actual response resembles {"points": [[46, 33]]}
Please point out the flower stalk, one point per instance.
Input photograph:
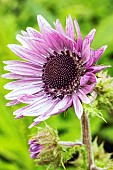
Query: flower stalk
{"points": [[86, 138], [69, 144]]}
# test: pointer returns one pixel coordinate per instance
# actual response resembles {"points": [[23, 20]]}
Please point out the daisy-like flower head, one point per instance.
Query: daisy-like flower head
{"points": [[58, 70]]}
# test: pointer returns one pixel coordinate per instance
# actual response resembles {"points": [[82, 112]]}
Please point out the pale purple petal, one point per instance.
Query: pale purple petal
{"points": [[24, 33], [46, 113], [62, 105], [90, 36], [54, 40], [88, 88], [37, 45], [70, 44], [27, 110], [13, 102], [23, 90], [52, 37], [86, 50], [43, 48], [26, 54], [95, 69], [42, 105], [57, 41], [89, 76], [91, 59], [83, 97], [23, 63], [27, 42], [26, 69], [17, 76], [59, 27], [33, 33], [84, 79], [79, 36], [21, 83], [43, 24], [30, 99], [18, 69], [26, 98], [99, 52], [58, 108], [69, 28], [77, 105]]}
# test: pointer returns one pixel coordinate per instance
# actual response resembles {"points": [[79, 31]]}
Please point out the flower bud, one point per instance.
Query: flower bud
{"points": [[44, 147]]}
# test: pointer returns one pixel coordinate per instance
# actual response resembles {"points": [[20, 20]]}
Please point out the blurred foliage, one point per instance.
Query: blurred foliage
{"points": [[16, 15], [102, 159]]}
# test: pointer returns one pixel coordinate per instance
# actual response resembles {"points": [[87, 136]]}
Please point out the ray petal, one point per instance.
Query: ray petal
{"points": [[77, 105]]}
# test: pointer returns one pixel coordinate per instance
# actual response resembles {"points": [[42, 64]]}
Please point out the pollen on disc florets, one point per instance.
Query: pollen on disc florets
{"points": [[62, 73]]}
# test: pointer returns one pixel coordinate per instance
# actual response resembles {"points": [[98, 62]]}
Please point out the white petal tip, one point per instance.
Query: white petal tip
{"points": [[40, 17], [31, 126], [94, 30], [18, 36], [9, 45], [29, 29], [69, 16], [6, 96], [7, 104], [5, 87], [79, 115], [105, 46], [3, 75], [4, 62]]}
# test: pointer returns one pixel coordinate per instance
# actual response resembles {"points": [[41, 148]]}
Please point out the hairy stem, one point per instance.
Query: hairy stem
{"points": [[86, 138], [69, 144]]}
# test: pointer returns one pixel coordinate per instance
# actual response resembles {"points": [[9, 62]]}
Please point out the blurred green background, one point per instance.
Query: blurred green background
{"points": [[16, 15]]}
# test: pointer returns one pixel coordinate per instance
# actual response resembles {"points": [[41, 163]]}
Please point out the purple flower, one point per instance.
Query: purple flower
{"points": [[35, 148], [58, 70]]}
